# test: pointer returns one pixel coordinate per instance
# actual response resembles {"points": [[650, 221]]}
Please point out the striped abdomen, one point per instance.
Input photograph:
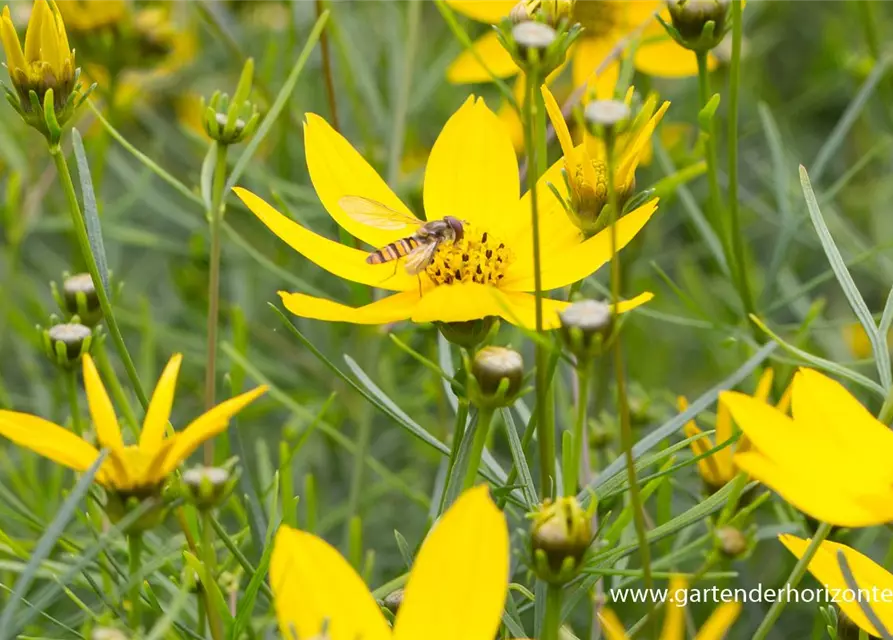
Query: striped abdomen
{"points": [[393, 251]]}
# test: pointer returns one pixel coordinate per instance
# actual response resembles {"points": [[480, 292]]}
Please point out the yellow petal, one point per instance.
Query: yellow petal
{"points": [[562, 268], [49, 42], [15, 59], [508, 115], [764, 385], [485, 60], [834, 413], [769, 430], [809, 487], [314, 587], [723, 457], [61, 34], [720, 621], [489, 11], [206, 427], [472, 171], [159, 412], [706, 466], [611, 625], [558, 122], [674, 619], [48, 440], [825, 566], [391, 309], [108, 433], [338, 170], [665, 58], [588, 56], [463, 566], [636, 148], [336, 258], [40, 13]]}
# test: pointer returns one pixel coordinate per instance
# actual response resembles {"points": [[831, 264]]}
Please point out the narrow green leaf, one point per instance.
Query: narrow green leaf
{"points": [[91, 213], [278, 104], [850, 290], [403, 547], [45, 546], [207, 174], [161, 628], [245, 608], [519, 459]]}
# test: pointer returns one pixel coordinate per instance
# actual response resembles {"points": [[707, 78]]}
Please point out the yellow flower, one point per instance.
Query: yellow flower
{"points": [[47, 61], [719, 622], [463, 566], [586, 164], [92, 15], [868, 575], [605, 24], [719, 468], [472, 173], [831, 460], [136, 469]]}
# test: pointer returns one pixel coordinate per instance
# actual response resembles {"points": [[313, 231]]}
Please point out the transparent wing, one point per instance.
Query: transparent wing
{"points": [[419, 258], [375, 214]]}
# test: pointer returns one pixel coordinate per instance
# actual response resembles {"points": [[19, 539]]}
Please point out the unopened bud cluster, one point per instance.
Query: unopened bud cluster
{"points": [[560, 535], [699, 25], [497, 377], [65, 343], [230, 121], [208, 487], [537, 35], [78, 297], [586, 327]]}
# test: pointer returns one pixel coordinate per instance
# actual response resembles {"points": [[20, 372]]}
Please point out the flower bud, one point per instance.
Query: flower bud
{"points": [[119, 504], [555, 11], [79, 298], [560, 536], [698, 25], [224, 119], [585, 328], [607, 114], [469, 334], [533, 36], [208, 487], [731, 542], [520, 13], [393, 600], [497, 375], [66, 343]]}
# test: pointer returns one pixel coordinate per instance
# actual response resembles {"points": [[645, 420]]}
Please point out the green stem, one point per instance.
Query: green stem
{"points": [[715, 203], [736, 239], [793, 580], [626, 432], [458, 433], [110, 378], [485, 416], [552, 618], [327, 70], [215, 218], [581, 433], [209, 557], [401, 100], [73, 402], [200, 622], [545, 426], [135, 546], [80, 230]]}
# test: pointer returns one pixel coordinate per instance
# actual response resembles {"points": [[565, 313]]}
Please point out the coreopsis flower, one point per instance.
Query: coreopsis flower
{"points": [[456, 589], [605, 23], [868, 574], [719, 468], [92, 15], [830, 460], [130, 469], [486, 271], [47, 61], [719, 622], [585, 165]]}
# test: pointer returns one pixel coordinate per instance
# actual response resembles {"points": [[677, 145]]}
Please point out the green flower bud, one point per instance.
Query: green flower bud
{"points": [[606, 114], [393, 600], [699, 25], [470, 334], [532, 42], [520, 13], [231, 121], [79, 298], [731, 542], [66, 343], [560, 536], [208, 487], [586, 327], [119, 504], [497, 375]]}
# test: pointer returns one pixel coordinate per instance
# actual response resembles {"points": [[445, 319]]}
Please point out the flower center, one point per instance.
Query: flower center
{"points": [[595, 16], [478, 257]]}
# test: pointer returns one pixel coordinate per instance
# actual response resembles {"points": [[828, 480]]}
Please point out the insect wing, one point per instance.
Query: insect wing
{"points": [[375, 214], [420, 257]]}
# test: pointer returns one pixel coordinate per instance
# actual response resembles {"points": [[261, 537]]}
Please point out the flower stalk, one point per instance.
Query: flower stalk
{"points": [[209, 558], [552, 617], [72, 380], [135, 550], [485, 417]]}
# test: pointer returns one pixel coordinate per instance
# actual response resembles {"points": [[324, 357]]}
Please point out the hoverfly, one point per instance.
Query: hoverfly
{"points": [[418, 247]]}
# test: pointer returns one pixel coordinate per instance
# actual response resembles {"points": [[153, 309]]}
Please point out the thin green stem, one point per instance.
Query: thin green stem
{"points": [[215, 219], [545, 427], [626, 432], [458, 433], [135, 548], [80, 230], [327, 70], [886, 413], [110, 379], [581, 434], [552, 617], [72, 379], [737, 239], [793, 580], [209, 557], [401, 101], [485, 417], [715, 204]]}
